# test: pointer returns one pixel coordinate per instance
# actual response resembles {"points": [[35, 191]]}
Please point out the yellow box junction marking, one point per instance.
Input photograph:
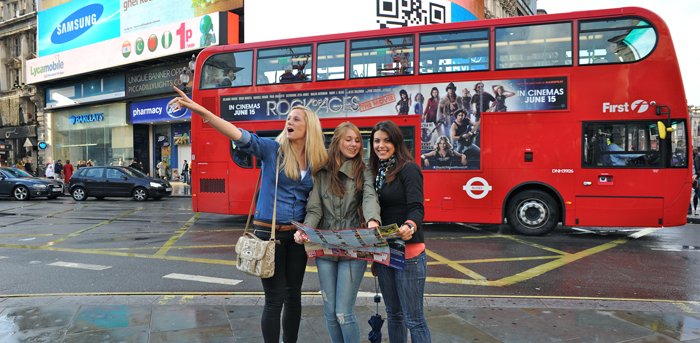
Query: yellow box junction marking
{"points": [[561, 258]]}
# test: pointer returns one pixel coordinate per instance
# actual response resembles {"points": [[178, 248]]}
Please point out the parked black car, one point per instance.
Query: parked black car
{"points": [[21, 185], [101, 182]]}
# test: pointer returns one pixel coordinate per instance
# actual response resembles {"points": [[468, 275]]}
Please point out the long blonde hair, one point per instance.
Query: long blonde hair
{"points": [[314, 149]]}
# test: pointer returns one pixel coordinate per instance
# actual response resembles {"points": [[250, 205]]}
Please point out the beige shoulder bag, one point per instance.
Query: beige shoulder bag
{"points": [[256, 256]]}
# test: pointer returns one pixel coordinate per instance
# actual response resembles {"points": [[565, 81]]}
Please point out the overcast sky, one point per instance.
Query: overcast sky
{"points": [[678, 15]]}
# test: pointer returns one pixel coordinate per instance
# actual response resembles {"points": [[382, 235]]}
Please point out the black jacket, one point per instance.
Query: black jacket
{"points": [[402, 199]]}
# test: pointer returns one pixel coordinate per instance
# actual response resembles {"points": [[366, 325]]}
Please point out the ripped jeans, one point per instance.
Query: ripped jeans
{"points": [[340, 281]]}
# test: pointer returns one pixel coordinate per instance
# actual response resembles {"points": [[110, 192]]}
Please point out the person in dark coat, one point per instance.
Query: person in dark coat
{"points": [[399, 185]]}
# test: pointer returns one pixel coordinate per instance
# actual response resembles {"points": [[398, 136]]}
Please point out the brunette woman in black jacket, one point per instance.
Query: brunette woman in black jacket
{"points": [[399, 185]]}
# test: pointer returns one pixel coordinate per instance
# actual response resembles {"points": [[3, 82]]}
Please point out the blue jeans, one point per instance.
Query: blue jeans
{"points": [[402, 291], [340, 281]]}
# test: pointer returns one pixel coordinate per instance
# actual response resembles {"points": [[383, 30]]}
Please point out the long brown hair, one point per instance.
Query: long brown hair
{"points": [[336, 159], [403, 155]]}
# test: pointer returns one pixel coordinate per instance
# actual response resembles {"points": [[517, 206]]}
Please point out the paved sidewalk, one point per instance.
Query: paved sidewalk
{"points": [[236, 318], [181, 189]]}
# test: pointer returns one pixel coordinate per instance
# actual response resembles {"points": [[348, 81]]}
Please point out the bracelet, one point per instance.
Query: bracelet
{"points": [[410, 226]]}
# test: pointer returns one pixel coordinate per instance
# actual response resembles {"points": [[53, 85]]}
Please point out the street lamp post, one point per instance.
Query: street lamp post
{"points": [[188, 73]]}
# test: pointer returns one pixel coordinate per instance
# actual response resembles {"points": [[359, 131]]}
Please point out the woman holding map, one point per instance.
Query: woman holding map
{"points": [[399, 185], [288, 163], [341, 188]]}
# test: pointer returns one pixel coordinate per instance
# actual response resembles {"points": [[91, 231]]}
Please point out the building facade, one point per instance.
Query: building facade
{"points": [[18, 101]]}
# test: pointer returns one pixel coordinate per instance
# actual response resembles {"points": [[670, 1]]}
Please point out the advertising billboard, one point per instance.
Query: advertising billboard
{"points": [[173, 38], [75, 24], [66, 25], [328, 17]]}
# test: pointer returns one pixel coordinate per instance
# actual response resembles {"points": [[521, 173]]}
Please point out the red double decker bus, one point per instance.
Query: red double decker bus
{"points": [[576, 118]]}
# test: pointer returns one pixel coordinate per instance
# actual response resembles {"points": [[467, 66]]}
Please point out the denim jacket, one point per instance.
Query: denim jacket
{"points": [[292, 195]]}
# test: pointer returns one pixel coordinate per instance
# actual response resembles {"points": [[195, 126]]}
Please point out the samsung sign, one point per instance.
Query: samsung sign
{"points": [[151, 111], [76, 24]]}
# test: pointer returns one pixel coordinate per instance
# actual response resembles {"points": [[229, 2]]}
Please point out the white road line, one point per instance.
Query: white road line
{"points": [[79, 265], [644, 232], [1, 257], [200, 278]]}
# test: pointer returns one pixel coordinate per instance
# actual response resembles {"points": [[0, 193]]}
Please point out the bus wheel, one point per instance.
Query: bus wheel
{"points": [[532, 213]]}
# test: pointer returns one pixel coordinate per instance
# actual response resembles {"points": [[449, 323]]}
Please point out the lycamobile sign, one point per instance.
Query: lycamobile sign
{"points": [[52, 68]]}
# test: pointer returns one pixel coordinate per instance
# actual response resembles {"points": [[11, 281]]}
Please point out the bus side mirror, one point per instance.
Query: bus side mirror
{"points": [[663, 129]]}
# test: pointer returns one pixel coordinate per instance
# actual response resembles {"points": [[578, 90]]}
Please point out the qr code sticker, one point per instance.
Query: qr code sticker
{"points": [[401, 13]]}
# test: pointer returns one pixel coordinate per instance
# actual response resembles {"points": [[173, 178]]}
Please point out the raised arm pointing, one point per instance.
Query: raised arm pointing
{"points": [[229, 130]]}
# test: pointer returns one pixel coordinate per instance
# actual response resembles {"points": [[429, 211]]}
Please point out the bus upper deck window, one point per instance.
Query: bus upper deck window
{"points": [[448, 52], [233, 69], [388, 56], [284, 65], [330, 63], [615, 40], [545, 45]]}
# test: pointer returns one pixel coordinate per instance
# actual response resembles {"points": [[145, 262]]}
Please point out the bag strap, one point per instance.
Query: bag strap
{"points": [[274, 206], [255, 196], [252, 203]]}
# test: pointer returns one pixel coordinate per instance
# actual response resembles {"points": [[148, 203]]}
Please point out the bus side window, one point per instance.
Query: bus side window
{"points": [[615, 41], [448, 52], [284, 65], [330, 64], [228, 70], [531, 46], [240, 158], [623, 144], [389, 56]]}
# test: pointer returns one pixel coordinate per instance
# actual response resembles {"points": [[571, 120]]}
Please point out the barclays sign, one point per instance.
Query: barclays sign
{"points": [[86, 118], [152, 111]]}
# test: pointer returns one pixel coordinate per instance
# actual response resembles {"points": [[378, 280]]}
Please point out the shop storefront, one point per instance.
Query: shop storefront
{"points": [[100, 134], [169, 135]]}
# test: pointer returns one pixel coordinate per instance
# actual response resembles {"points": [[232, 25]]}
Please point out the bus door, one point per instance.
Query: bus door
{"points": [[621, 178], [209, 171]]}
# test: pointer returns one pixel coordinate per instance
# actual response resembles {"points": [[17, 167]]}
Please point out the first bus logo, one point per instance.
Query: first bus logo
{"points": [[638, 106]]}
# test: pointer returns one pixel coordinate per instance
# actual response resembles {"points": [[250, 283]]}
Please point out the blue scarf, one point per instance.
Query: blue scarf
{"points": [[384, 167]]}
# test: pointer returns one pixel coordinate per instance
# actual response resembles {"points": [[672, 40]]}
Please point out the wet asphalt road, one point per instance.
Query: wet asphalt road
{"points": [[119, 246]]}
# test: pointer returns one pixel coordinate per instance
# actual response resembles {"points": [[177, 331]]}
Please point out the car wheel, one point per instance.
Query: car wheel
{"points": [[21, 193], [140, 194], [532, 213], [79, 194]]}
